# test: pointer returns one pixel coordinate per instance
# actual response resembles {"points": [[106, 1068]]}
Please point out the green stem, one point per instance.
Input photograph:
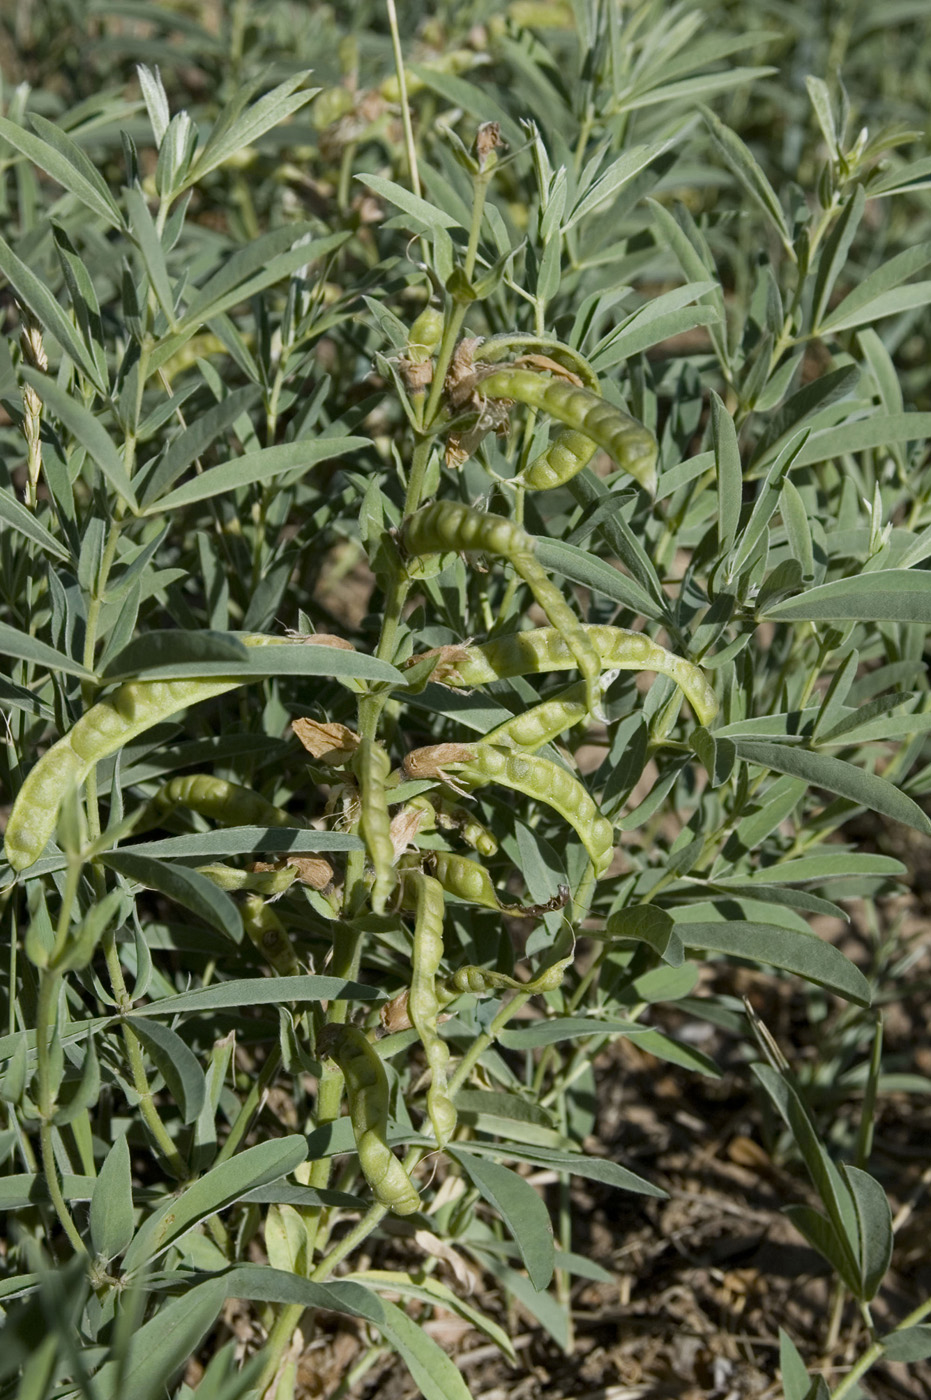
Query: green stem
{"points": [[48, 993], [876, 1351]]}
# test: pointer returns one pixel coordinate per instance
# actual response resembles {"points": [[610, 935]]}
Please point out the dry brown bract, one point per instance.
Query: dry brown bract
{"points": [[331, 743]]}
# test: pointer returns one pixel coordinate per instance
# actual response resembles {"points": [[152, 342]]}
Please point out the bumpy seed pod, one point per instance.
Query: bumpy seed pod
{"points": [[481, 981], [267, 932], [534, 776], [425, 335], [372, 767], [467, 880], [542, 723], [628, 442], [134, 707], [560, 460], [446, 525], [367, 1091], [543, 649], [221, 801], [422, 1004], [262, 882]]}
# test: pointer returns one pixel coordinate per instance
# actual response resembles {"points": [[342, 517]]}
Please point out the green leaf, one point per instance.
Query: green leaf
{"points": [[795, 1379], [432, 1371], [86, 429], [619, 173], [874, 1225], [651, 925], [820, 770], [498, 1104], [36, 296], [423, 216], [111, 1213], [805, 955], [825, 1176], [149, 244], [522, 1210], [881, 430], [193, 441], [233, 132], [53, 151], [256, 467], [178, 1065], [26, 648], [15, 514], [175, 654], [591, 572], [888, 595], [258, 991], [244, 840], [564, 1028], [880, 294], [908, 1343], [729, 473], [186, 887], [827, 865], [213, 1192], [159, 1349], [833, 257], [718, 756], [822, 1236], [736, 154]]}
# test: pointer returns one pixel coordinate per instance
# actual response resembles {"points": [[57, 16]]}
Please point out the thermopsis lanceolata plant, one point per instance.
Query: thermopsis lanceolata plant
{"points": [[462, 575]]}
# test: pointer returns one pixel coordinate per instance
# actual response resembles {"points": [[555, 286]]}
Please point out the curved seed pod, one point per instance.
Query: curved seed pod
{"points": [[228, 803], [268, 934], [467, 880], [422, 1004], [542, 723], [496, 347], [134, 707], [481, 980], [630, 444], [372, 766], [447, 525], [544, 649], [534, 776], [560, 461], [263, 882], [367, 1091]]}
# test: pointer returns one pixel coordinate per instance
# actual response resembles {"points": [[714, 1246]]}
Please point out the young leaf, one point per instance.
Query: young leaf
{"points": [[111, 1212], [521, 1209]]}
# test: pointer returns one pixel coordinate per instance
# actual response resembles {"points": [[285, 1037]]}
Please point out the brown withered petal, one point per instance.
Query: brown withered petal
{"points": [[311, 870], [428, 762], [331, 743], [394, 1013], [416, 377], [404, 827], [487, 139], [449, 659]]}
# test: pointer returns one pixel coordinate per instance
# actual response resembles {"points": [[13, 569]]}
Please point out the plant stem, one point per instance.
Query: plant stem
{"points": [[48, 993], [876, 1351]]}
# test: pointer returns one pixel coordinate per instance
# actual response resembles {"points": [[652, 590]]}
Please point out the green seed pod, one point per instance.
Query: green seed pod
{"points": [[263, 882], [447, 525], [467, 880], [541, 724], [221, 801], [422, 1004], [267, 932], [544, 649], [558, 463], [134, 707], [367, 1091], [480, 981], [372, 766], [534, 776], [628, 442]]}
